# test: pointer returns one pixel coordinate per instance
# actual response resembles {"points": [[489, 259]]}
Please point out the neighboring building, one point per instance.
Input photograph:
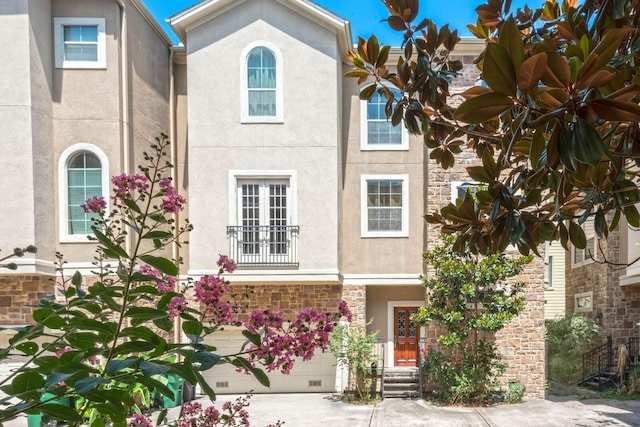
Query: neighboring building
{"points": [[554, 281], [307, 187], [603, 282]]}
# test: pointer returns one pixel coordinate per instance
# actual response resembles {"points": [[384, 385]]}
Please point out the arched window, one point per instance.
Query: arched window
{"points": [[83, 173], [261, 83]]}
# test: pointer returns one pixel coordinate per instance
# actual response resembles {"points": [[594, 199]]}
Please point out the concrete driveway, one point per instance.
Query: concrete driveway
{"points": [[326, 410], [311, 410]]}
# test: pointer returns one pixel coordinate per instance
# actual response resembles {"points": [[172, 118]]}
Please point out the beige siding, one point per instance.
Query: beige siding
{"points": [[554, 292]]}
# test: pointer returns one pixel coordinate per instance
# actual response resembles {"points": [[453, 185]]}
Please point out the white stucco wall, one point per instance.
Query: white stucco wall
{"points": [[16, 185], [306, 142]]}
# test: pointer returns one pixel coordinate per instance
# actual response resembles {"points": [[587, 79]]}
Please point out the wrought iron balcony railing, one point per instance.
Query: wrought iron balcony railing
{"points": [[264, 245]]}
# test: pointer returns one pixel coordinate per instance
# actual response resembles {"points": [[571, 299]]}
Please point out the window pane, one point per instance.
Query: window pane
{"points": [[82, 182], [384, 202], [379, 129], [262, 103]]}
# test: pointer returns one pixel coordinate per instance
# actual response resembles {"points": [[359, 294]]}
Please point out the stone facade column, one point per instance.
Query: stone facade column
{"points": [[356, 297]]}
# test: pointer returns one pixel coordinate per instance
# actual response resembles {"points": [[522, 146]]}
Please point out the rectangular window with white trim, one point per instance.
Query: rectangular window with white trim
{"points": [[377, 131], [586, 255], [385, 206], [80, 42]]}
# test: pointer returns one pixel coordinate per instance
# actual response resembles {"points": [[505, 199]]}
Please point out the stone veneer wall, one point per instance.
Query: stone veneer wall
{"points": [[619, 305], [17, 292], [291, 297], [356, 297], [521, 343]]}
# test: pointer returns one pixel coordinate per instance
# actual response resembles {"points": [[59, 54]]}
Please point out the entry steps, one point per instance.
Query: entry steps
{"points": [[401, 382]]}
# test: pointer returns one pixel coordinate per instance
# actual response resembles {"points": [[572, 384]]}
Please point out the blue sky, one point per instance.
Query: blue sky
{"points": [[364, 15]]}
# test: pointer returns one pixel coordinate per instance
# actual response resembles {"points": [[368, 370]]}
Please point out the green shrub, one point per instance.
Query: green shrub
{"points": [[514, 393], [567, 338]]}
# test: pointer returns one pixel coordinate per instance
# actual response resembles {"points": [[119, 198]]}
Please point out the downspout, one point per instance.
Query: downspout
{"points": [[124, 99], [175, 248]]}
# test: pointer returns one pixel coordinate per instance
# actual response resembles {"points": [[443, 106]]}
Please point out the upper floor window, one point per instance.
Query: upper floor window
{"points": [[385, 206], [588, 253], [80, 42], [377, 132], [264, 230], [83, 173], [261, 83]]}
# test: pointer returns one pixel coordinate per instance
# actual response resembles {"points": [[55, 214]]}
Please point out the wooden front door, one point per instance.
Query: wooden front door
{"points": [[406, 335]]}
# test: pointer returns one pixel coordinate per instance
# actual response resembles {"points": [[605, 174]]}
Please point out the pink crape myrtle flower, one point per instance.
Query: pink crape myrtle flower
{"points": [[226, 264], [94, 205], [344, 311], [62, 351], [176, 306], [212, 292], [172, 202], [125, 186], [139, 420], [165, 282], [307, 333]]}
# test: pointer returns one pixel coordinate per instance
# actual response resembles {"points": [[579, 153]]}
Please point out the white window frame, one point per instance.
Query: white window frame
{"points": [[364, 134], [457, 184], [587, 258], [244, 89], [58, 38], [236, 175], [585, 300], [63, 188], [364, 217]]}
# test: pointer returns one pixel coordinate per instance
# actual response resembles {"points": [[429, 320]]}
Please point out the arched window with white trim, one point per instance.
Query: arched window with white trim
{"points": [[261, 83], [83, 173]]}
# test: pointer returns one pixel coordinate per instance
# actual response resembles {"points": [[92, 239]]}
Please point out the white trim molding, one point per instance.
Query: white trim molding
{"points": [[63, 188], [382, 279], [244, 93], [364, 229], [58, 39], [583, 302]]}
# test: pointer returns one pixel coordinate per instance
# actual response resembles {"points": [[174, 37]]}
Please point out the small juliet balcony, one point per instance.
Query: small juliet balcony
{"points": [[264, 245]]}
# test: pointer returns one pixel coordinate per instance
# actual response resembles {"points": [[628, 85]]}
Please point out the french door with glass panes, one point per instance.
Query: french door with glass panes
{"points": [[263, 216]]}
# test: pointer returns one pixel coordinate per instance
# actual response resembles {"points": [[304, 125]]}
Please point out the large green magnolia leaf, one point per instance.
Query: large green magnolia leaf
{"points": [[511, 39], [586, 143], [615, 110], [483, 108], [531, 71], [498, 71]]}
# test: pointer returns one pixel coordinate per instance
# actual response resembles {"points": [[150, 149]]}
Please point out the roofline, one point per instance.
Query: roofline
{"points": [[180, 21], [146, 14]]}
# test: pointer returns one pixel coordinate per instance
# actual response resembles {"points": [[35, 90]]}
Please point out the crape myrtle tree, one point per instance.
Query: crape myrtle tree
{"points": [[92, 348], [554, 120]]}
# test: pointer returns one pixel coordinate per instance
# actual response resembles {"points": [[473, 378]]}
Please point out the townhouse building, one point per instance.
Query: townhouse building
{"points": [[313, 193]]}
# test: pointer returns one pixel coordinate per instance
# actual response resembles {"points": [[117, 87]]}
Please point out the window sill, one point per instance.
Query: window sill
{"points": [[76, 239], [383, 147]]}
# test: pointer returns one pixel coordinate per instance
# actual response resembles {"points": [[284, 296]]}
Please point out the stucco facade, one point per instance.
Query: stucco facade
{"points": [[306, 162]]}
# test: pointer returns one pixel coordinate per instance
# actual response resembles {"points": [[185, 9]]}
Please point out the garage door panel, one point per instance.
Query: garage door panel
{"points": [[315, 375]]}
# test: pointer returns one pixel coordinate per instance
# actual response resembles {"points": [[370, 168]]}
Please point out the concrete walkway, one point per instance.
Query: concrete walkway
{"points": [[311, 410], [326, 410]]}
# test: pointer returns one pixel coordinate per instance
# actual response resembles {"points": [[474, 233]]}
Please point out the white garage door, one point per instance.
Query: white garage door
{"points": [[315, 375]]}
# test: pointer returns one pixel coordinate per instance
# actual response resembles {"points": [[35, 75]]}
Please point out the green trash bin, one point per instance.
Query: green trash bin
{"points": [[35, 420], [175, 384]]}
